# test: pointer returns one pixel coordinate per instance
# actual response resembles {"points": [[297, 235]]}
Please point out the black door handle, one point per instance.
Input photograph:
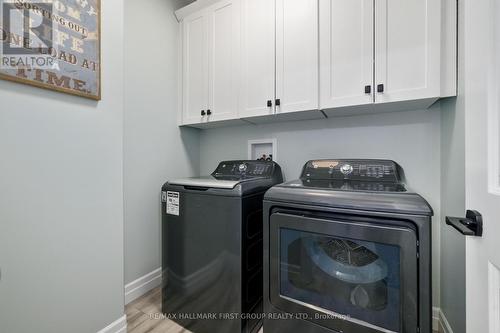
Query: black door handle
{"points": [[277, 102], [269, 103], [209, 112], [471, 225], [203, 112], [368, 89], [380, 88]]}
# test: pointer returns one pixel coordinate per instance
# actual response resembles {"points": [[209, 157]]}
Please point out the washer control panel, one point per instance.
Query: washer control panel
{"points": [[375, 170], [244, 169]]}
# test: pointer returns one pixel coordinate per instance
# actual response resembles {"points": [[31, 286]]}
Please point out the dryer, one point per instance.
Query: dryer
{"points": [[212, 247], [347, 248]]}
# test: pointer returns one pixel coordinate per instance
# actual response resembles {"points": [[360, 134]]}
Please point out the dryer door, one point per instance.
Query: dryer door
{"points": [[347, 275]]}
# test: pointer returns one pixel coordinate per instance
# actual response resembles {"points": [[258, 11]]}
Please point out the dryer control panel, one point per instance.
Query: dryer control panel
{"points": [[355, 169]]}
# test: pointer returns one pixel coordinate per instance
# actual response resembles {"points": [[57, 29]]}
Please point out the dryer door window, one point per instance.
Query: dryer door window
{"points": [[349, 277], [353, 273]]}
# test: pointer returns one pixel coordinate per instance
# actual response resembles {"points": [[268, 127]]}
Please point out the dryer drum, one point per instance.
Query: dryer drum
{"points": [[371, 296], [347, 252], [345, 260], [308, 275]]}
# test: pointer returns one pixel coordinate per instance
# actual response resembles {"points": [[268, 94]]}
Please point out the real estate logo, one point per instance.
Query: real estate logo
{"points": [[27, 34]]}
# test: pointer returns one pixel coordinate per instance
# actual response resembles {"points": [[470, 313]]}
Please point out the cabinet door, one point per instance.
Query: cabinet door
{"points": [[297, 55], [223, 69], [346, 53], [195, 68], [407, 50], [258, 57]]}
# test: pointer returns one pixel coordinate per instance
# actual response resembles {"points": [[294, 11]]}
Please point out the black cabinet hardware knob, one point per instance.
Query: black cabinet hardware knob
{"points": [[209, 112], [368, 89], [269, 103], [203, 112], [380, 88], [277, 102], [471, 225]]}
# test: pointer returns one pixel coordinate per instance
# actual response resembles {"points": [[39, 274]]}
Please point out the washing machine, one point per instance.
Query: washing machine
{"points": [[212, 247], [347, 248]]}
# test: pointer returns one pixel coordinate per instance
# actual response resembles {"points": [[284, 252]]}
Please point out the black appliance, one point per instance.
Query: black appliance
{"points": [[212, 247], [347, 248]]}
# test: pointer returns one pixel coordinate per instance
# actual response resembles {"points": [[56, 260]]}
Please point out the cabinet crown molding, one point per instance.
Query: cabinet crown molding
{"points": [[180, 14]]}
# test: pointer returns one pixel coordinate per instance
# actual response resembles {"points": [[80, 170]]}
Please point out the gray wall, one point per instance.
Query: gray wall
{"points": [[453, 199], [410, 138], [61, 201], [155, 149]]}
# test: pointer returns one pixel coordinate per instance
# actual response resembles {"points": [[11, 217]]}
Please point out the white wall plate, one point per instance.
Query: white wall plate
{"points": [[258, 148]]}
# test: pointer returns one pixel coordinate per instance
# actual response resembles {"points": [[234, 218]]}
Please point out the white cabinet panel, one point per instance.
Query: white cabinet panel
{"points": [[407, 49], [346, 53], [297, 55], [195, 64], [258, 57], [223, 69]]}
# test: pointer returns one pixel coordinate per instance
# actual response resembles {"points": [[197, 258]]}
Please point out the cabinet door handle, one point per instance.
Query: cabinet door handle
{"points": [[380, 88], [278, 102], [269, 103], [368, 89], [209, 112], [203, 112]]}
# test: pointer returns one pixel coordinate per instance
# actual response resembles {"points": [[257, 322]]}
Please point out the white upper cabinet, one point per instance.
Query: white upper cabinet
{"points": [[258, 58], [195, 67], [279, 57], [211, 63], [296, 55], [386, 51], [273, 60], [407, 50], [346, 53], [224, 56]]}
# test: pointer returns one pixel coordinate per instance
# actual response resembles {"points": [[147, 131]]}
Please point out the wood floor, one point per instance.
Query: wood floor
{"points": [[144, 316]]}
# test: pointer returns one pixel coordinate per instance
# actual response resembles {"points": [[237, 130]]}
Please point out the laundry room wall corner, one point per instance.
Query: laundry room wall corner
{"points": [[453, 301], [453, 204], [155, 148]]}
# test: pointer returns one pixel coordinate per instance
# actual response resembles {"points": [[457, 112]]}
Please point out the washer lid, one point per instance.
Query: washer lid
{"points": [[229, 174], [208, 182]]}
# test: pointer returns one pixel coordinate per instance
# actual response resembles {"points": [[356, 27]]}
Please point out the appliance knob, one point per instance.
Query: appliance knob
{"points": [[242, 167], [346, 169]]}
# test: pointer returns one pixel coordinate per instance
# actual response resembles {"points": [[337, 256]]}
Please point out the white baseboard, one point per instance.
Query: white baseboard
{"points": [[118, 326], [142, 285]]}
